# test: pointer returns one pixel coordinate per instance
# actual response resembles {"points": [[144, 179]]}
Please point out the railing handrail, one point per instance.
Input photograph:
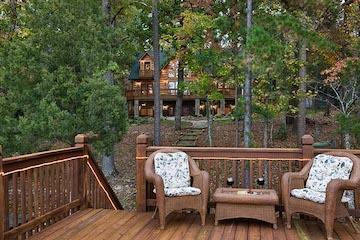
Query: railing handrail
{"points": [[43, 154], [105, 184]]}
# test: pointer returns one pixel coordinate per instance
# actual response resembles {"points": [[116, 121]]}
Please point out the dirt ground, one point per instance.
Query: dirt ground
{"points": [[124, 183]]}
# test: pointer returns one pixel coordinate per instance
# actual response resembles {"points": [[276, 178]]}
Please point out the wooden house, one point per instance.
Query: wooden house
{"points": [[140, 95]]}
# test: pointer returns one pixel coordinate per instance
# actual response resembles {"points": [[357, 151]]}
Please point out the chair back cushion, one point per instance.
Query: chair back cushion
{"points": [[325, 168], [173, 168]]}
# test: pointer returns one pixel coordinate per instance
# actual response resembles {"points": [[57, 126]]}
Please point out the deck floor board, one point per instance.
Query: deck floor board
{"points": [[114, 225]]}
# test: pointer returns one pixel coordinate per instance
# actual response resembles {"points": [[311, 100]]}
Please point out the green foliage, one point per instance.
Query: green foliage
{"points": [[281, 133], [349, 124], [239, 111], [52, 77]]}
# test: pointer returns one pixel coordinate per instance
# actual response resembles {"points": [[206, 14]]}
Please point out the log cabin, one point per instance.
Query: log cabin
{"points": [[140, 97]]}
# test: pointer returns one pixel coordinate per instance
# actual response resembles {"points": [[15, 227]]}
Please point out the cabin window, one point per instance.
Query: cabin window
{"points": [[147, 65]]}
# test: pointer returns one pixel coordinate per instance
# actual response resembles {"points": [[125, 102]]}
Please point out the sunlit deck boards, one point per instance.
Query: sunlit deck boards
{"points": [[109, 224]]}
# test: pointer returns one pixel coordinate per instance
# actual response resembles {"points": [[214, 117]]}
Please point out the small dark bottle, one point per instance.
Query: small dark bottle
{"points": [[230, 181]]}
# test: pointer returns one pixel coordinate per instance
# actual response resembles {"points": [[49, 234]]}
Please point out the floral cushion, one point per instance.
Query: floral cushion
{"points": [[325, 168], [183, 191], [173, 168], [312, 195]]}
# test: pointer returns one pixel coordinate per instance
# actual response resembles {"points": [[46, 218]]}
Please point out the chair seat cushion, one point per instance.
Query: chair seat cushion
{"points": [[326, 168], [183, 191], [173, 168], [312, 195]]}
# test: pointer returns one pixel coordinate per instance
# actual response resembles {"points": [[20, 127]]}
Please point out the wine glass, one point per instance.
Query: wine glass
{"points": [[230, 181], [261, 181]]}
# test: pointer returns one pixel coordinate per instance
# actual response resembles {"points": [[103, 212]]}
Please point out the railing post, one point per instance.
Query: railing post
{"points": [[2, 199], [142, 142], [307, 142], [81, 140]]}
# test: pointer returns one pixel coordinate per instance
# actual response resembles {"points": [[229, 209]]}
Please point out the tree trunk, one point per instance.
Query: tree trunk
{"points": [[301, 119], [266, 133], [13, 14], [156, 46], [237, 120], [247, 93], [108, 161], [209, 121], [248, 82], [271, 134], [179, 96], [347, 140]]}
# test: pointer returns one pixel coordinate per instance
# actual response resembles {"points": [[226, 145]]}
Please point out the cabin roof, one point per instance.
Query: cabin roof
{"points": [[134, 73]]}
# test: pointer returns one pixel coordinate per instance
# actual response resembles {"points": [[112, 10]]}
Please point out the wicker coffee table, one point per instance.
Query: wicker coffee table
{"points": [[236, 203]]}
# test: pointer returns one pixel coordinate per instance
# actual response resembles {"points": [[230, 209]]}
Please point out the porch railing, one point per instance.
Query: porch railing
{"points": [[39, 189], [221, 163]]}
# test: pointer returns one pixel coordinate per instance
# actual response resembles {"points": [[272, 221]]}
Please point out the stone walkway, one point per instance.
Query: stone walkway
{"points": [[189, 137]]}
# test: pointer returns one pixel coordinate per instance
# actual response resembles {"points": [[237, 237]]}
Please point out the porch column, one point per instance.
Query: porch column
{"points": [[222, 106], [197, 107], [136, 108]]}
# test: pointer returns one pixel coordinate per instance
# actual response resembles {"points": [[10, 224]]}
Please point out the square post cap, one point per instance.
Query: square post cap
{"points": [[307, 140]]}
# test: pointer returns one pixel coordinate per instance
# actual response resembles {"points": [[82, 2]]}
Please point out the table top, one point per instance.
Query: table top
{"points": [[241, 195]]}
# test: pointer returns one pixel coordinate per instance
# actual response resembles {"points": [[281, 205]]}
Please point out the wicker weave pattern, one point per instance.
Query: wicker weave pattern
{"points": [[332, 208], [166, 204], [235, 203]]}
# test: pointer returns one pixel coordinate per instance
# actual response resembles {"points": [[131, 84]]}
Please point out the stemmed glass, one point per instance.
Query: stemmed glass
{"points": [[230, 181], [261, 182]]}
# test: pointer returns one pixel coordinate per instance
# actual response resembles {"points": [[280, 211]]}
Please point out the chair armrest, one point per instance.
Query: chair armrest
{"points": [[291, 180], [201, 181], [155, 179], [336, 187]]}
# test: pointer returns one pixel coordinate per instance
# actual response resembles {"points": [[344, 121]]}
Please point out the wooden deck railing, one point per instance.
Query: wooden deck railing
{"points": [[172, 92], [225, 162], [39, 189]]}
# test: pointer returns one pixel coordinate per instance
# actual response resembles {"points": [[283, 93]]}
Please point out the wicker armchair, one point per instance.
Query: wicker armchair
{"points": [[167, 204], [327, 205]]}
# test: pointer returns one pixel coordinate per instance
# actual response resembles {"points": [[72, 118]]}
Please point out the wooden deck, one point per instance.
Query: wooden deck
{"points": [[110, 224]]}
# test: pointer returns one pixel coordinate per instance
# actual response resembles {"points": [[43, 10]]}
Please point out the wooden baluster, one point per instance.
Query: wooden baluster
{"points": [[69, 170], [217, 173], [270, 174], [243, 173], [56, 187], [92, 195], [75, 179], [41, 192], [49, 194], [225, 172], [234, 172], [62, 183], [30, 190], [68, 186], [53, 190], [290, 165], [251, 181], [15, 199], [46, 188], [97, 195], [23, 197], [261, 168], [36, 193], [6, 201]]}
